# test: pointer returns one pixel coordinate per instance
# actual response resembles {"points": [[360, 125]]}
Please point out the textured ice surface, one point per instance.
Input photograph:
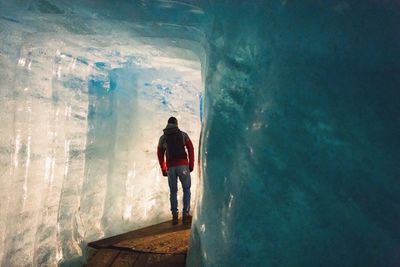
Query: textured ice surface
{"points": [[83, 103], [300, 140]]}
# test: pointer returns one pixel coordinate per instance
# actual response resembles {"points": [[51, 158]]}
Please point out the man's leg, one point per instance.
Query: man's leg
{"points": [[184, 177], [173, 189]]}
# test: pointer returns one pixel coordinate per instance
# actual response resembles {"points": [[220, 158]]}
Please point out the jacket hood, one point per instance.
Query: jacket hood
{"points": [[171, 127]]}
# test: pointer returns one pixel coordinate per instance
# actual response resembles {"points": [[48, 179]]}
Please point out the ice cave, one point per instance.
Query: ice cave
{"points": [[293, 108]]}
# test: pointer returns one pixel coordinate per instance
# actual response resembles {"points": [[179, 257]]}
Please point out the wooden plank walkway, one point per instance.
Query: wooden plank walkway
{"points": [[160, 245]]}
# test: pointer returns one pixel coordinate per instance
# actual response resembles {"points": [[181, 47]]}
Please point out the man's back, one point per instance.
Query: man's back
{"points": [[173, 142]]}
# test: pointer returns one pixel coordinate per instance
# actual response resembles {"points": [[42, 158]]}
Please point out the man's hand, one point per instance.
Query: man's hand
{"points": [[190, 168], [164, 172]]}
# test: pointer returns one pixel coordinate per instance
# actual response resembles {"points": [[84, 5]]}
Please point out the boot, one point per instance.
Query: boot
{"points": [[175, 218], [186, 218]]}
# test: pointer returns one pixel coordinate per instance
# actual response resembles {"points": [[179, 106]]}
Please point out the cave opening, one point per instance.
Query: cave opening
{"points": [[88, 100]]}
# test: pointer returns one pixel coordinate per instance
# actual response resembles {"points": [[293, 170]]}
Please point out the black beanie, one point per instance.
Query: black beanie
{"points": [[172, 120]]}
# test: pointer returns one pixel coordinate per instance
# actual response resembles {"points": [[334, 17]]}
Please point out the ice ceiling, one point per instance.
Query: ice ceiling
{"points": [[300, 127]]}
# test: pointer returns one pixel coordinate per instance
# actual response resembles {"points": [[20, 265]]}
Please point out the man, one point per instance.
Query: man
{"points": [[173, 143]]}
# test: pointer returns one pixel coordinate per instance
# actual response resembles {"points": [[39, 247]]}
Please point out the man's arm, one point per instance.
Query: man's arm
{"points": [[190, 150], [160, 153]]}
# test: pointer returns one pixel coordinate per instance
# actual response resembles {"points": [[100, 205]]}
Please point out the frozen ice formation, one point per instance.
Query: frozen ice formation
{"points": [[297, 105], [84, 103]]}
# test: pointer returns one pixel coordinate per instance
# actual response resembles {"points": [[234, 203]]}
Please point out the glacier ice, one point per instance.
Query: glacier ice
{"points": [[83, 105], [301, 139], [299, 136]]}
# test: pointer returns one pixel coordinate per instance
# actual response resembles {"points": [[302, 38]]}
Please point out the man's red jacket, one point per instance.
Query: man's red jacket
{"points": [[162, 146]]}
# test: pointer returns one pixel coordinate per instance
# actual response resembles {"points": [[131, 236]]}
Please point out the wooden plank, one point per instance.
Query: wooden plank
{"points": [[91, 252], [165, 227], [142, 260], [166, 260], [103, 258], [168, 243], [126, 259]]}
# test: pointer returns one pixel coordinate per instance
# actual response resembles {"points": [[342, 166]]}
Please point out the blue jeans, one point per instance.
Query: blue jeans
{"points": [[184, 176]]}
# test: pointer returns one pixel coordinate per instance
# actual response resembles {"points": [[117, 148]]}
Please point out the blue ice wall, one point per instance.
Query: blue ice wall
{"points": [[299, 146], [301, 138]]}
